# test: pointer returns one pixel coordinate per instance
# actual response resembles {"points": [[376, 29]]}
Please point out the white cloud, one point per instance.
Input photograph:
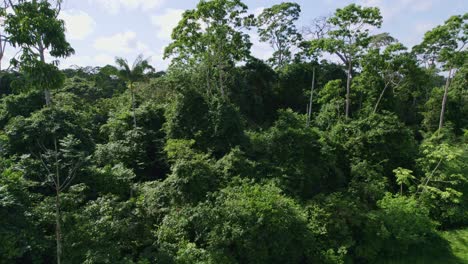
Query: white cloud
{"points": [[146, 51], [115, 6], [418, 5], [166, 22], [104, 59], [119, 43], [79, 24], [328, 2], [417, 34], [391, 9], [142, 47], [124, 44]]}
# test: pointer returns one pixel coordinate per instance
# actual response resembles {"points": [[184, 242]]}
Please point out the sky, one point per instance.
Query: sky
{"points": [[100, 30]]}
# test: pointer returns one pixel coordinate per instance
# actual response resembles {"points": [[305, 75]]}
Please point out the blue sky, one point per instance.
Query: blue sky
{"points": [[100, 30]]}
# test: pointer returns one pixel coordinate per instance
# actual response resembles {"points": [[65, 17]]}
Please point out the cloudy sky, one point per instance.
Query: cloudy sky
{"points": [[99, 30]]}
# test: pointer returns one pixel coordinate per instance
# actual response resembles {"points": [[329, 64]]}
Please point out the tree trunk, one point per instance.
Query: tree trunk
{"points": [[309, 111], [221, 80], [380, 98], [444, 100], [48, 98], [348, 87], [208, 79], [58, 226], [133, 106]]}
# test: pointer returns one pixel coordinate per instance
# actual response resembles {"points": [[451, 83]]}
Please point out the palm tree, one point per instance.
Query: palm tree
{"points": [[133, 74]]}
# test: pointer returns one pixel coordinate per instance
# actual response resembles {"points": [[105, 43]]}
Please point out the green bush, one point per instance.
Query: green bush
{"points": [[240, 224], [400, 223]]}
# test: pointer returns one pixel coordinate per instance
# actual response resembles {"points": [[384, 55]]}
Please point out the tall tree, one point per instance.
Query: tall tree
{"points": [[348, 37], [61, 165], [35, 29], [383, 69], [445, 44], [276, 26], [133, 74], [211, 35]]}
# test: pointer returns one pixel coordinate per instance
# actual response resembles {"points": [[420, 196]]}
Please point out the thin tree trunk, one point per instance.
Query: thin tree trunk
{"points": [[221, 82], [208, 79], [47, 95], [380, 97], [444, 100], [348, 87], [220, 66], [309, 112], [133, 106], [58, 226], [430, 176]]}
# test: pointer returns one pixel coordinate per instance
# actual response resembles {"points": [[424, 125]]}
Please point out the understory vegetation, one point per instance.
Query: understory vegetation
{"points": [[225, 158]]}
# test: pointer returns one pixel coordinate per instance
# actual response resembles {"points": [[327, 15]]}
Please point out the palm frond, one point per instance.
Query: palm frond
{"points": [[137, 61], [122, 64], [141, 68], [136, 72]]}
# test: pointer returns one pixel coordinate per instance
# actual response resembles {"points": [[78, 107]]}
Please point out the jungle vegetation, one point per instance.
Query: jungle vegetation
{"points": [[225, 158]]}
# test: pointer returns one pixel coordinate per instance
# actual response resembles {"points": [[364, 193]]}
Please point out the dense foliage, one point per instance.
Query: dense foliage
{"points": [[225, 158]]}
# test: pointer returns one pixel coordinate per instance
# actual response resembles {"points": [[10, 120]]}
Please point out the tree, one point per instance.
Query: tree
{"points": [[193, 173], [445, 44], [16, 227], [384, 69], [131, 75], [61, 165], [211, 36], [406, 223], [293, 154], [103, 230], [214, 123], [348, 37], [276, 26], [138, 149], [456, 113], [34, 28], [247, 223], [252, 91], [390, 74], [380, 139], [441, 188], [331, 100], [293, 86], [381, 40], [403, 176]]}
